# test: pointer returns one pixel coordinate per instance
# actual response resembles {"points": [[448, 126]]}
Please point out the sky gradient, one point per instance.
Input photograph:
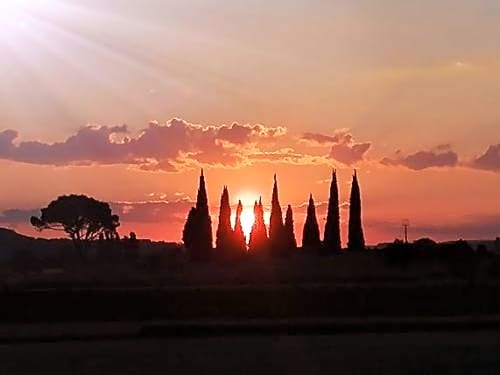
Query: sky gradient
{"points": [[126, 100]]}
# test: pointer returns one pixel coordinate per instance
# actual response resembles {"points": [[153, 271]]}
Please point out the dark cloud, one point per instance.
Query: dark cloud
{"points": [[441, 157], [489, 160], [17, 216], [343, 147], [157, 147]]}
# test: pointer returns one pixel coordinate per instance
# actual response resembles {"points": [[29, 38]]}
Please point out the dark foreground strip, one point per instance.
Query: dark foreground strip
{"points": [[269, 328], [311, 328]]}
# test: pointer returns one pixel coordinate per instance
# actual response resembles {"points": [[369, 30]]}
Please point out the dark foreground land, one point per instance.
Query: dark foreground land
{"points": [[398, 310], [394, 353], [249, 302]]}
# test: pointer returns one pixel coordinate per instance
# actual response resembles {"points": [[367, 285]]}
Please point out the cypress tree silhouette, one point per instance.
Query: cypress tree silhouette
{"points": [[253, 243], [239, 235], [356, 236], [310, 237], [290, 241], [189, 229], [263, 228], [198, 228], [276, 236], [258, 236], [224, 235], [331, 241]]}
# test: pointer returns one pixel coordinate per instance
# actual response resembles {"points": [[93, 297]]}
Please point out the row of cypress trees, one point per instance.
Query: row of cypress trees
{"points": [[231, 242], [332, 240]]}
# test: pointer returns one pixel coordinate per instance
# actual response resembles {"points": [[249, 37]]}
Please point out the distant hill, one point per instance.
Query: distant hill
{"points": [[12, 242], [8, 235]]}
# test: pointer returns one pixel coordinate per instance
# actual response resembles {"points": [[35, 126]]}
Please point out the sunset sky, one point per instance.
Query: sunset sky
{"points": [[126, 100]]}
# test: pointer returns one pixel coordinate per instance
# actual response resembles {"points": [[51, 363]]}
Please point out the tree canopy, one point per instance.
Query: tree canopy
{"points": [[83, 218]]}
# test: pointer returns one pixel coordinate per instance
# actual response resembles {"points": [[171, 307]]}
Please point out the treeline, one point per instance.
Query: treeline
{"points": [[277, 240]]}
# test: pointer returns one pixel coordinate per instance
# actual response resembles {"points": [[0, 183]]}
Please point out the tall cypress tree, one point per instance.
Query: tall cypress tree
{"points": [[356, 236], [198, 229], [258, 236], [332, 227], [189, 229], [224, 238], [239, 235], [290, 241], [276, 223], [263, 227], [310, 237]]}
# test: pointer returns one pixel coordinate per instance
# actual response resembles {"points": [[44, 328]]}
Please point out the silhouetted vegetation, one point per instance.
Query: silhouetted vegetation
{"points": [[224, 238], [131, 279], [356, 237], [84, 219], [277, 242], [258, 236], [239, 236], [290, 242], [197, 233], [332, 241], [310, 237]]}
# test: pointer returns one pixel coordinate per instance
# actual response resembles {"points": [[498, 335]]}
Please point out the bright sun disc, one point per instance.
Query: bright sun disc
{"points": [[247, 220]]}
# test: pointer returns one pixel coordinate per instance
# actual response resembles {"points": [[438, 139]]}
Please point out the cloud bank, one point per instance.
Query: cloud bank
{"points": [[158, 147], [178, 145]]}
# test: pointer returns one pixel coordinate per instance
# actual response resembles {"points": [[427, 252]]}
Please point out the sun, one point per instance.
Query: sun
{"points": [[247, 220], [247, 198]]}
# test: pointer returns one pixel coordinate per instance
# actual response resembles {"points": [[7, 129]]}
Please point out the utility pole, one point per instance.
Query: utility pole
{"points": [[406, 225]]}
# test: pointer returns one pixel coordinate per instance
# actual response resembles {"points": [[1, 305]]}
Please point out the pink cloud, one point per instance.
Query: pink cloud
{"points": [[489, 160], [343, 147], [157, 147]]}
